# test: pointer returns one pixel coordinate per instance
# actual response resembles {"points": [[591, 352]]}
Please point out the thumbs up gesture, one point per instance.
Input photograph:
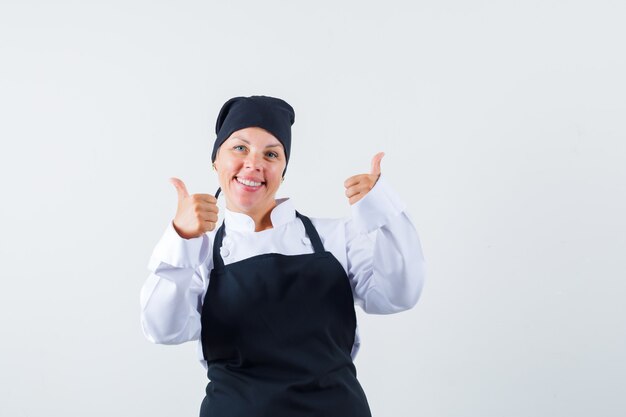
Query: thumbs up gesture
{"points": [[359, 185], [196, 213]]}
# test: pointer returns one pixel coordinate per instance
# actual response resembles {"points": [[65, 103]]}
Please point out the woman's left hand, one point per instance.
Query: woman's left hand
{"points": [[358, 186]]}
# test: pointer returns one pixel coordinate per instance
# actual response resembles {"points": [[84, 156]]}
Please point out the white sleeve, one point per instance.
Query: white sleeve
{"points": [[384, 256], [171, 297]]}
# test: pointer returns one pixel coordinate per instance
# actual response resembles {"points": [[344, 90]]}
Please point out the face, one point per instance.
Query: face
{"points": [[249, 165]]}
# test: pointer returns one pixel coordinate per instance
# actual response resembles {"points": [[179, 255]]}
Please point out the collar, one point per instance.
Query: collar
{"points": [[283, 213]]}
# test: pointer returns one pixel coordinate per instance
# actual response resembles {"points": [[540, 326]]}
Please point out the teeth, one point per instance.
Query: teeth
{"points": [[249, 183]]}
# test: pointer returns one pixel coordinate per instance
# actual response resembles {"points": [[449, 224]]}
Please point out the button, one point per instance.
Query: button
{"points": [[224, 252], [306, 241]]}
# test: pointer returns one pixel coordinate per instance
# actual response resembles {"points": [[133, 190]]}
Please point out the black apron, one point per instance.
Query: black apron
{"points": [[277, 332]]}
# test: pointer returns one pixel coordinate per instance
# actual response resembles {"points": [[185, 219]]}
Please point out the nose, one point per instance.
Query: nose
{"points": [[253, 161]]}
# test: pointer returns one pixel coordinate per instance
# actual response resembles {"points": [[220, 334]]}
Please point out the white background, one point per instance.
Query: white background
{"points": [[503, 125]]}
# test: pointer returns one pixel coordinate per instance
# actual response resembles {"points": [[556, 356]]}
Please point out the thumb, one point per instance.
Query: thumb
{"points": [[376, 163], [180, 188]]}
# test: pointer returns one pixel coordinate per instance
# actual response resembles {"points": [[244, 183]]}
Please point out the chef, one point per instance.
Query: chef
{"points": [[270, 293]]}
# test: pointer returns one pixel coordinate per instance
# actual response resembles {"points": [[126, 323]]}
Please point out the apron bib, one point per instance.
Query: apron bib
{"points": [[277, 332]]}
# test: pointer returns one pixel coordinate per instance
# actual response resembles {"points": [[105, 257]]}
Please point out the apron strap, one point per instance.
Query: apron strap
{"points": [[218, 262], [312, 232]]}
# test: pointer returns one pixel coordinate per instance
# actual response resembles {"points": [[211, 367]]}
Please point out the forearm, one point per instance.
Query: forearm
{"points": [[398, 264], [171, 295], [386, 264], [169, 312]]}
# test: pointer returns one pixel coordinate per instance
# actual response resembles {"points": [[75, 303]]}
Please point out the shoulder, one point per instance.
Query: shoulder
{"points": [[327, 223], [330, 228]]}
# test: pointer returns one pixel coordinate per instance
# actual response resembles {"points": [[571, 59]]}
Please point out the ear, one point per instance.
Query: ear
{"points": [[217, 154]]}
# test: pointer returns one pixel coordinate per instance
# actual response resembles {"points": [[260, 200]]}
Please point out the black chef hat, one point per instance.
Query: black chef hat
{"points": [[270, 113]]}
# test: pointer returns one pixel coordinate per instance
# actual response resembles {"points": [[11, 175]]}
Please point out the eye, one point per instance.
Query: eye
{"points": [[239, 147], [272, 154]]}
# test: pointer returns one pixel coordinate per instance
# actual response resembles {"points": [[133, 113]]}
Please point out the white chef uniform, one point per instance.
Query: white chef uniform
{"points": [[377, 246]]}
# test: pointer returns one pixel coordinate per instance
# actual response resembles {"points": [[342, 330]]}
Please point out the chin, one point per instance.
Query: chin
{"points": [[246, 205]]}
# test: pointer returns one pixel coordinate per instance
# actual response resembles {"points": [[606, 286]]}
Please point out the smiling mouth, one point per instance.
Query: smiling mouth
{"points": [[249, 183]]}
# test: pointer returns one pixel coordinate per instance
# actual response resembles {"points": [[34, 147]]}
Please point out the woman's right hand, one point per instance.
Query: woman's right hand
{"points": [[196, 213]]}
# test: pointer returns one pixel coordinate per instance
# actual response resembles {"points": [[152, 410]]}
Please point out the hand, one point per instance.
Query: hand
{"points": [[195, 214], [359, 185]]}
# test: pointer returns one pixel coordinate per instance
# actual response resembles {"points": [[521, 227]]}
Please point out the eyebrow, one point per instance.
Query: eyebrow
{"points": [[268, 146]]}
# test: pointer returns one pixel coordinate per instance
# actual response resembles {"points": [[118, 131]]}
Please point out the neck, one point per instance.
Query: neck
{"points": [[264, 222]]}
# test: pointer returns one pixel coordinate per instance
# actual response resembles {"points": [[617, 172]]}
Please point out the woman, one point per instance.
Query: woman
{"points": [[270, 294]]}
